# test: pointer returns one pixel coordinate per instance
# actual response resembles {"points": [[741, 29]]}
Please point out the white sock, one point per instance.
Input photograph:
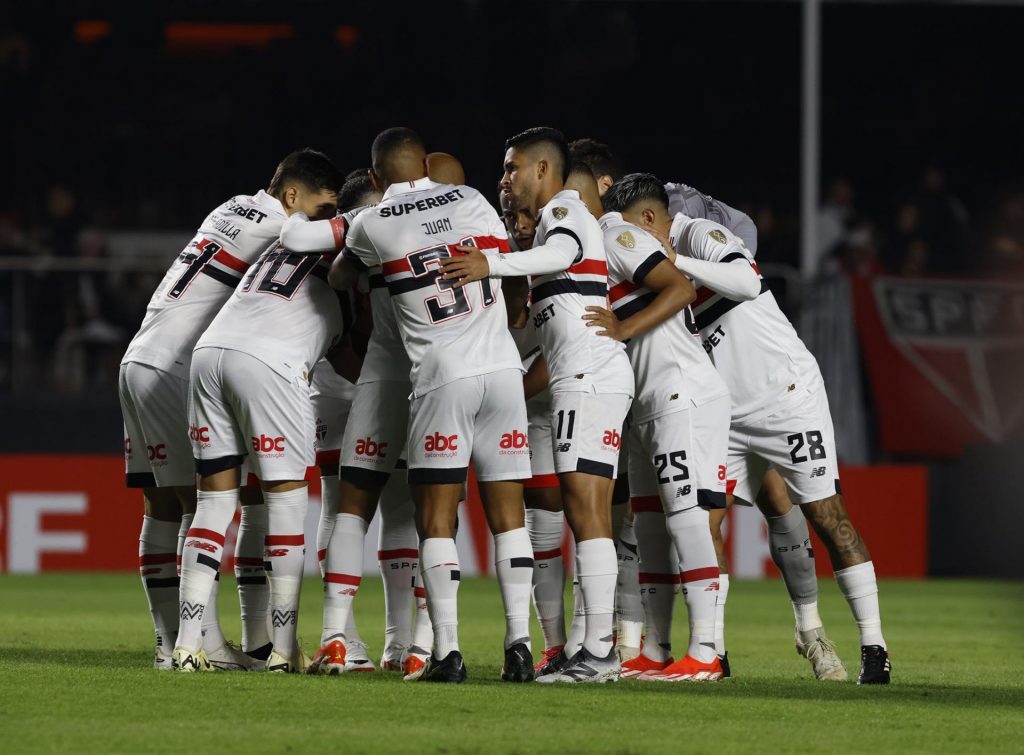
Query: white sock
{"points": [[439, 562], [330, 496], [629, 606], [397, 556], [578, 626], [546, 528], [213, 637], [806, 615], [657, 579], [158, 569], [723, 595], [200, 561], [251, 577], [860, 588], [343, 573], [596, 566], [186, 525], [700, 578], [284, 554], [513, 564], [423, 633]]}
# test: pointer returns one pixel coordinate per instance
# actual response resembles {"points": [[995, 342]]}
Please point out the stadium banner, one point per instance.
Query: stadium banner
{"points": [[73, 513], [944, 358]]}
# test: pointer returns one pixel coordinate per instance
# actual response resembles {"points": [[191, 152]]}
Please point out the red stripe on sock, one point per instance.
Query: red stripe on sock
{"points": [[646, 503], [695, 575], [542, 481], [342, 579], [398, 553], [545, 555], [419, 592], [284, 540], [206, 535], [321, 554], [650, 578], [157, 558], [248, 561], [730, 487], [328, 457]]}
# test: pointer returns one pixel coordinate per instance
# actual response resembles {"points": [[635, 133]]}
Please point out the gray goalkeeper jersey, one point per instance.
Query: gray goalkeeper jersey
{"points": [[695, 204]]}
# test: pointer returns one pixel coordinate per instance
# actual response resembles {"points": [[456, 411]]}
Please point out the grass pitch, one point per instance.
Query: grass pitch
{"points": [[75, 677]]}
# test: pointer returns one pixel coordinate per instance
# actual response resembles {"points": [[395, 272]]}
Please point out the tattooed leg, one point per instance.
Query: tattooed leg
{"points": [[832, 524]]}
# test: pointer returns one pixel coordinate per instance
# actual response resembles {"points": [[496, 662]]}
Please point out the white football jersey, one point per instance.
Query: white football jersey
{"points": [[578, 359], [328, 383], [696, 204], [672, 371], [202, 278], [386, 358], [752, 344], [449, 333], [284, 313]]}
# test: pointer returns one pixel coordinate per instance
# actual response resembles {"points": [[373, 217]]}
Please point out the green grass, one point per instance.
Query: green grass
{"points": [[74, 652]]}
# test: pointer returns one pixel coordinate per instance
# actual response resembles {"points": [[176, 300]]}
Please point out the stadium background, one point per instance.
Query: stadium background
{"points": [[125, 125]]}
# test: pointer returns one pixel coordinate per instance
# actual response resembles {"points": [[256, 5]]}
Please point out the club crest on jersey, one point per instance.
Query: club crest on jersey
{"points": [[560, 212], [717, 235], [626, 239]]}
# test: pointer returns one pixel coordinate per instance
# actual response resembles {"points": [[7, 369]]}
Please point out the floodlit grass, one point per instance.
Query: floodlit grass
{"points": [[75, 653]]}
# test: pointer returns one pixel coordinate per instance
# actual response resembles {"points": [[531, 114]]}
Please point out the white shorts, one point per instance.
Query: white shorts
{"points": [[797, 440], [375, 434], [240, 407], [542, 458], [480, 419], [586, 431], [154, 405], [330, 416], [678, 461]]}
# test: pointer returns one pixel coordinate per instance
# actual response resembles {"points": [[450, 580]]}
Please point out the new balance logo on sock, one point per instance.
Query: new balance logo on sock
{"points": [[208, 547], [283, 618], [191, 611], [713, 587]]}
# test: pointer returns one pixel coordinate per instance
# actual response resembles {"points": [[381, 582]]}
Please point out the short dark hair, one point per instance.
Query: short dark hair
{"points": [[355, 189], [597, 156], [578, 167], [309, 167], [635, 187], [544, 135], [389, 141]]}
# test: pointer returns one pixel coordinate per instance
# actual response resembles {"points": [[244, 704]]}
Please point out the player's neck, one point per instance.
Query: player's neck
{"points": [[545, 194]]}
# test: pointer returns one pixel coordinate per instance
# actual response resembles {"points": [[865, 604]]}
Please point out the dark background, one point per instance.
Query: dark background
{"points": [[120, 118]]}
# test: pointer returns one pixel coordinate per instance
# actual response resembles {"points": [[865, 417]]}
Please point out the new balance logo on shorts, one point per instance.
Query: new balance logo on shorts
{"points": [[440, 445], [514, 442], [268, 445], [563, 448], [612, 438], [817, 472], [370, 447]]}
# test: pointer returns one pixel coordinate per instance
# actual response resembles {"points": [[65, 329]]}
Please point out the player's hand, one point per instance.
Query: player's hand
{"points": [[665, 242], [599, 317], [470, 265]]}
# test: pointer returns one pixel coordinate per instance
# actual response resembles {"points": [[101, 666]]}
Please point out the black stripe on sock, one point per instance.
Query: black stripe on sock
{"points": [[251, 580], [154, 584], [456, 575], [267, 566], [516, 563], [213, 563]]}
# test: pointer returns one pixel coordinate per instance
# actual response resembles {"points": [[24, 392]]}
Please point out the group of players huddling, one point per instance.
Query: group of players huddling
{"points": [[599, 312]]}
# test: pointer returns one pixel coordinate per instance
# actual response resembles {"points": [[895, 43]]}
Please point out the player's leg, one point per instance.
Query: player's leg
{"points": [[158, 567], [440, 442], [790, 544], [587, 436], [688, 452], [250, 575], [629, 609], [397, 557], [501, 458], [545, 522]]}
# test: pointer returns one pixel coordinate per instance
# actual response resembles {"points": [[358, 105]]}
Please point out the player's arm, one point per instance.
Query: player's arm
{"points": [[536, 378], [355, 258], [517, 292], [299, 234], [344, 273], [714, 260], [674, 293]]}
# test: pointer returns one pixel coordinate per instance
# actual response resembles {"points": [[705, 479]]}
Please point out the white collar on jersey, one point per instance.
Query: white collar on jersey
{"points": [[271, 202], [408, 186], [610, 218], [565, 194]]}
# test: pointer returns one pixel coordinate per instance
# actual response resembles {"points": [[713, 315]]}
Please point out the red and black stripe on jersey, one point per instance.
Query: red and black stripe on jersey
{"points": [[710, 306], [401, 278], [585, 278], [629, 297]]}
